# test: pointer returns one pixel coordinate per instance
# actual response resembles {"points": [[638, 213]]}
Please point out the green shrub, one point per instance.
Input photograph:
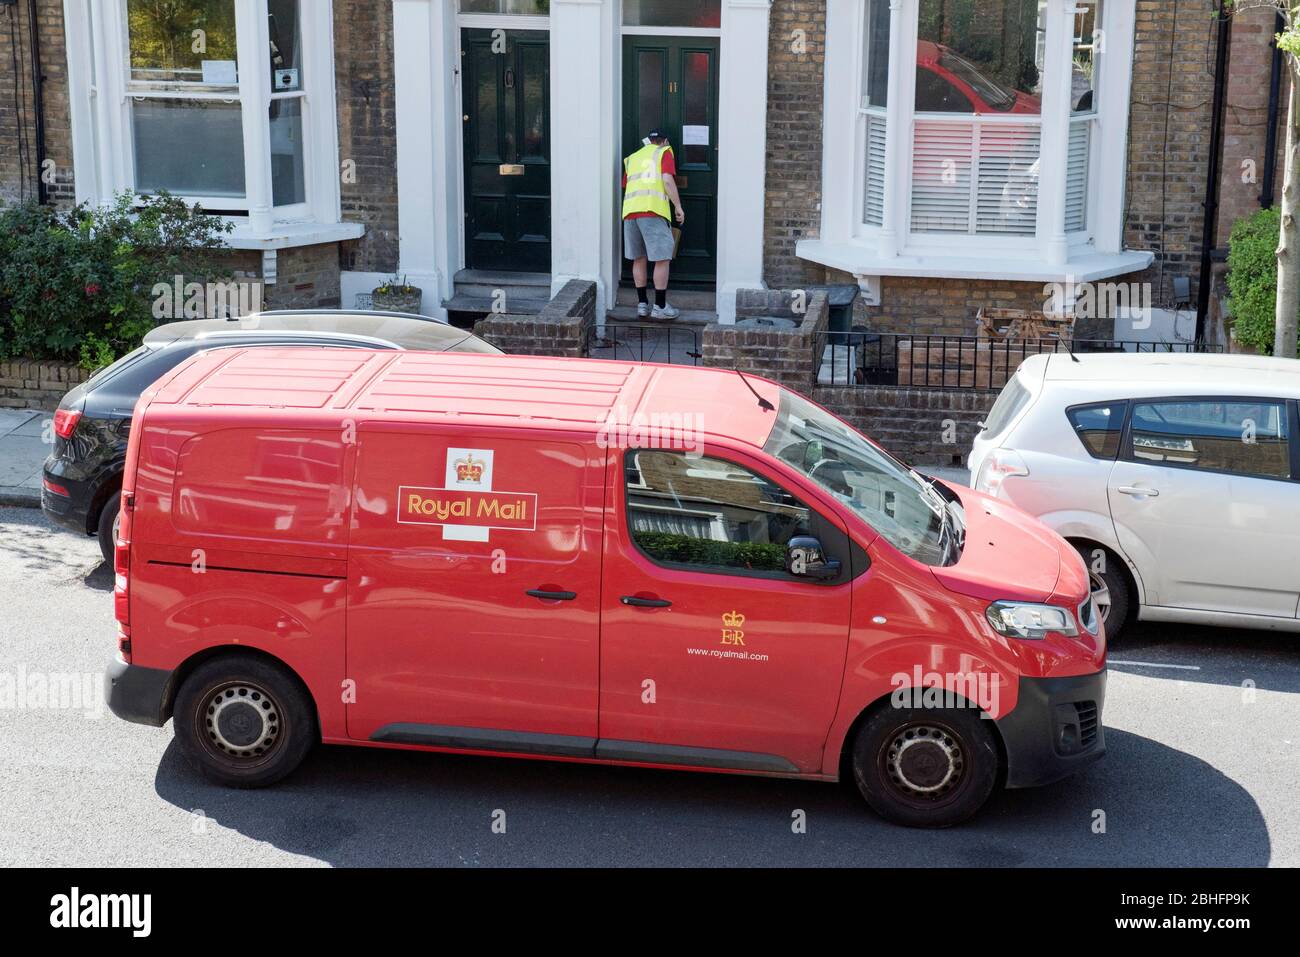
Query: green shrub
{"points": [[667, 547], [77, 283], [1252, 278]]}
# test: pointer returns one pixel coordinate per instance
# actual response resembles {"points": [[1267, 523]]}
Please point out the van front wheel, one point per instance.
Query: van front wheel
{"points": [[925, 767], [243, 721]]}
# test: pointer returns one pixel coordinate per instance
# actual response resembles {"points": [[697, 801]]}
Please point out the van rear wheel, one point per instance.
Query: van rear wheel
{"points": [[245, 722], [925, 767]]}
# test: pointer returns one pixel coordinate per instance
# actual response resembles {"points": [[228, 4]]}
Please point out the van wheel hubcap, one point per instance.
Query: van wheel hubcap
{"points": [[242, 722], [924, 761]]}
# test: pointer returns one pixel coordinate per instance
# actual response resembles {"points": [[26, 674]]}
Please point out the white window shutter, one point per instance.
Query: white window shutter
{"points": [[975, 178], [1008, 179], [873, 191], [941, 177], [1076, 177]]}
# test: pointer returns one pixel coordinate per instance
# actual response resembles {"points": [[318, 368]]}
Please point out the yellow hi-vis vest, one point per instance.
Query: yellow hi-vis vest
{"points": [[645, 191]]}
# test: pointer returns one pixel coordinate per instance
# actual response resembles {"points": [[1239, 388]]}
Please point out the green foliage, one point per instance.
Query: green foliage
{"points": [[170, 39], [77, 283], [683, 549], [1252, 278]]}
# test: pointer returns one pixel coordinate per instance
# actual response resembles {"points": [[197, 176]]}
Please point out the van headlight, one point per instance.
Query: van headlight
{"points": [[1017, 619]]}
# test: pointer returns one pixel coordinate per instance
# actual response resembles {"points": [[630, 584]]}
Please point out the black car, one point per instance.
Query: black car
{"points": [[83, 474]]}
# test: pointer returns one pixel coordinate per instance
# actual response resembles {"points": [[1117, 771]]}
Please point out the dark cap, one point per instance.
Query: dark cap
{"points": [[655, 134]]}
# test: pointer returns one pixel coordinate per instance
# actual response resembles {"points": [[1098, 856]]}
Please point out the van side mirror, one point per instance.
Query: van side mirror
{"points": [[805, 559]]}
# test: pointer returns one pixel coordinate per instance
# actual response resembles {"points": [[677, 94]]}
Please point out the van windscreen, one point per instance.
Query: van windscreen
{"points": [[894, 500]]}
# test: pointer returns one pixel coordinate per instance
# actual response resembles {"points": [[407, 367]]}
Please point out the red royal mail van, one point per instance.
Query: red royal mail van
{"points": [[584, 560]]}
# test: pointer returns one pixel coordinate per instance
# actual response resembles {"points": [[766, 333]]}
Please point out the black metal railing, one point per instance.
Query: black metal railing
{"points": [[964, 363], [645, 342]]}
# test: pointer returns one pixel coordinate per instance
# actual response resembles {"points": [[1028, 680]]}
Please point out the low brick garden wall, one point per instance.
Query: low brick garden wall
{"points": [[919, 426], [560, 329], [787, 356], [37, 385]]}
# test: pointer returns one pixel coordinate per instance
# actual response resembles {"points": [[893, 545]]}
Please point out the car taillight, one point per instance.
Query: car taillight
{"points": [[1001, 465], [122, 579], [65, 422]]}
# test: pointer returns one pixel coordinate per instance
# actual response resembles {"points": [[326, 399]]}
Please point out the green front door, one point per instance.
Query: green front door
{"points": [[506, 83], [672, 83]]}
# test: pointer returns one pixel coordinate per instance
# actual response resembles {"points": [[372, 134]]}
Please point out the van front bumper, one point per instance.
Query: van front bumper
{"points": [[1055, 728], [138, 694]]}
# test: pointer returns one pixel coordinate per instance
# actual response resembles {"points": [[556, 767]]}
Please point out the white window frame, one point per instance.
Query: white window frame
{"points": [[104, 82], [850, 243]]}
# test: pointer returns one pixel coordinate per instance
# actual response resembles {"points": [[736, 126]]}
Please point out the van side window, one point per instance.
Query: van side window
{"points": [[684, 510], [1242, 437], [1098, 427]]}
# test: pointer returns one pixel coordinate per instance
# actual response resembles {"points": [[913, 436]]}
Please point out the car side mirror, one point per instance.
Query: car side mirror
{"points": [[804, 558]]}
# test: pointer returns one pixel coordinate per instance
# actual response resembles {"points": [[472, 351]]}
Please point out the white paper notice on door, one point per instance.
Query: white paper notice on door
{"points": [[220, 72], [695, 136]]}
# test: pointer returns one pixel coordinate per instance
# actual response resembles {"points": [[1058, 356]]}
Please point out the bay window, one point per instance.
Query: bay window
{"points": [[228, 103], [183, 87], [976, 138]]}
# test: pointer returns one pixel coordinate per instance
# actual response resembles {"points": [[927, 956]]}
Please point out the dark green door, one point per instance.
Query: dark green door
{"points": [[506, 84], [672, 83]]}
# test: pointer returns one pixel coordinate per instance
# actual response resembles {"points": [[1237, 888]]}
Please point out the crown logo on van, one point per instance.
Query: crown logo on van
{"points": [[731, 633], [467, 470]]}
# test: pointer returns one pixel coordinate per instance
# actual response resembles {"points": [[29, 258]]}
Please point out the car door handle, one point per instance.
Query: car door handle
{"points": [[1137, 490], [551, 595], [645, 602]]}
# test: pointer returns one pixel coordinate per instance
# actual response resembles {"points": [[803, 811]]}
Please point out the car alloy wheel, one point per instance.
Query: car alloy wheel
{"points": [[1100, 595]]}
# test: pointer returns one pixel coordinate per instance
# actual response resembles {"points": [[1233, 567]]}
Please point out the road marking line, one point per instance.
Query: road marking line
{"points": [[1153, 664]]}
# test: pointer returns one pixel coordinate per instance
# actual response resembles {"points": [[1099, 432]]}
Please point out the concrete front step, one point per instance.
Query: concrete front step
{"points": [[694, 299], [689, 317], [514, 305], [489, 284]]}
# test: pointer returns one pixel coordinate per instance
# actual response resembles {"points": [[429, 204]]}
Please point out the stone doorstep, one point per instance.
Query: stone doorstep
{"points": [[689, 317]]}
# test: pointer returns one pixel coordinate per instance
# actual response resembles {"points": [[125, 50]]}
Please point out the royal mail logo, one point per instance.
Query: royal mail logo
{"points": [[468, 470], [731, 633], [449, 507]]}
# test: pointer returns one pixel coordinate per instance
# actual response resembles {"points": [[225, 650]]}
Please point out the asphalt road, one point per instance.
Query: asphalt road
{"points": [[1201, 771]]}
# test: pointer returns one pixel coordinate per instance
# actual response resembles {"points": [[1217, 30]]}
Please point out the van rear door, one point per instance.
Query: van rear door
{"points": [[473, 588]]}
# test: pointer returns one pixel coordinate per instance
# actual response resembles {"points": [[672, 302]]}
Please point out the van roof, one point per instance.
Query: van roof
{"points": [[325, 385], [1186, 373]]}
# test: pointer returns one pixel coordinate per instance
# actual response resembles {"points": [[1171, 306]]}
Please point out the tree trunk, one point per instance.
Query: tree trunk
{"points": [[1288, 246]]}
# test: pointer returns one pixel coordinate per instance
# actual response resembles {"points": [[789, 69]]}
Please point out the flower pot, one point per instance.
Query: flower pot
{"points": [[398, 300]]}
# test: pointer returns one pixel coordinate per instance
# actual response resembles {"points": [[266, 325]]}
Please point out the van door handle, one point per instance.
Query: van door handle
{"points": [[1137, 490], [645, 602], [552, 595]]}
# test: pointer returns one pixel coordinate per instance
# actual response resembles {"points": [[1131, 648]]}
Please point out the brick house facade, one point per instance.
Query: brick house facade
{"points": [[1162, 188]]}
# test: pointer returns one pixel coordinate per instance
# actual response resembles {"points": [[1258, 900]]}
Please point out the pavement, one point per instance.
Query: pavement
{"points": [[23, 449], [1201, 727]]}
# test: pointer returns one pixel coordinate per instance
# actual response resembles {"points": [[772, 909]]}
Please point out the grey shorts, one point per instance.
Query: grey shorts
{"points": [[648, 236]]}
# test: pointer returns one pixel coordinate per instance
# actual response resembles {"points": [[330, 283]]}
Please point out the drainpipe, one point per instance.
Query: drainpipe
{"points": [[1214, 170], [38, 102], [1274, 108]]}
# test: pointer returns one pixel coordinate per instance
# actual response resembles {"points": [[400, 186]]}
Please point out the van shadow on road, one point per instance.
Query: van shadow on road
{"points": [[364, 807]]}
